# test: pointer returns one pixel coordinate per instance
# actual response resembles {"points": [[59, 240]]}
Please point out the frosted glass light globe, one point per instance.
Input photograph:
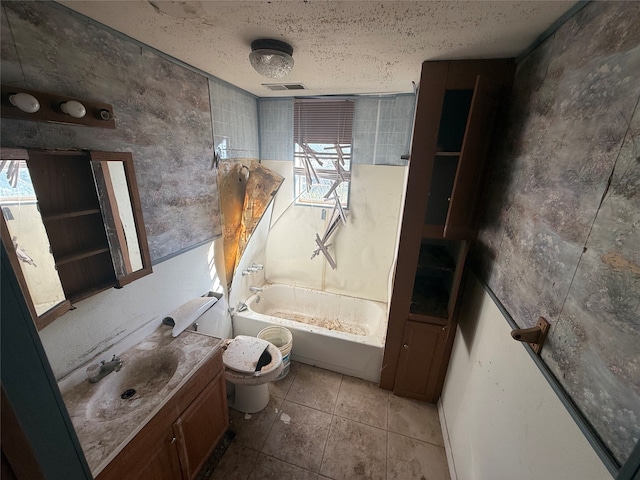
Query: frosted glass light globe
{"points": [[271, 58], [73, 108], [25, 102]]}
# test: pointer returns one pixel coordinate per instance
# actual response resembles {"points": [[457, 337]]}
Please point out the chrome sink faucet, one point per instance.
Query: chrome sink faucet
{"points": [[97, 372]]}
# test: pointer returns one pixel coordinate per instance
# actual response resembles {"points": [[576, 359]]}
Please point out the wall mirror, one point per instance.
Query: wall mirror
{"points": [[72, 224]]}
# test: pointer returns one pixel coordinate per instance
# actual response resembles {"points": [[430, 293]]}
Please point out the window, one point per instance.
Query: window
{"points": [[322, 131]]}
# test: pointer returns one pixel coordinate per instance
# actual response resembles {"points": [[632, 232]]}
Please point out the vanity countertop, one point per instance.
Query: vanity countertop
{"points": [[156, 368]]}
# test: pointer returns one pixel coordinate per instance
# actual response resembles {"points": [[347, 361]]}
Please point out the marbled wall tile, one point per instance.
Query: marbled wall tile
{"points": [[11, 72], [596, 343], [598, 31], [533, 270], [162, 117], [61, 53], [561, 230]]}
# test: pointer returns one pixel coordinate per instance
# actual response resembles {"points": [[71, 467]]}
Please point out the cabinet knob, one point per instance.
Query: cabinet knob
{"points": [[405, 346], [173, 440]]}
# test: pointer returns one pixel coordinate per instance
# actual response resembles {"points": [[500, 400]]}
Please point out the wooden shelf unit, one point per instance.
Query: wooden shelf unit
{"points": [[457, 104]]}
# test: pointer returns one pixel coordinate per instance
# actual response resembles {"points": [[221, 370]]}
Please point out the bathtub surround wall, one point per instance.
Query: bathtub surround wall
{"points": [[254, 253], [164, 117], [364, 248]]}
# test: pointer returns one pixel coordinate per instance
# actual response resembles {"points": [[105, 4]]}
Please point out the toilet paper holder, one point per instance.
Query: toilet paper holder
{"points": [[534, 336]]}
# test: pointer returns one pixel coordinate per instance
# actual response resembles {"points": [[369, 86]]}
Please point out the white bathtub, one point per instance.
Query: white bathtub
{"points": [[338, 333]]}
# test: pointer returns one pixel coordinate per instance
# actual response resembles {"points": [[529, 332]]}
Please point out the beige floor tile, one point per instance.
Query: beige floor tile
{"points": [[363, 402], [269, 468], [412, 459], [354, 450], [236, 464], [252, 430], [315, 388], [415, 419], [281, 387], [298, 436]]}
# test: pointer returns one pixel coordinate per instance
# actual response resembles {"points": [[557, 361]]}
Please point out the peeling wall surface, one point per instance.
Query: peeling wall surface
{"points": [[561, 237], [162, 110]]}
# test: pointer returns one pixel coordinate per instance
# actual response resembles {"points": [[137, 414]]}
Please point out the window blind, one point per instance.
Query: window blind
{"points": [[319, 120]]}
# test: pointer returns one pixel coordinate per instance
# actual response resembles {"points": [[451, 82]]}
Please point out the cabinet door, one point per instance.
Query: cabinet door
{"points": [[151, 455], [471, 164], [422, 357], [201, 426]]}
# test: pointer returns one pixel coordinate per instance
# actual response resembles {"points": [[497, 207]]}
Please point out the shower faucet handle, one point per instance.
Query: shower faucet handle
{"points": [[254, 267]]}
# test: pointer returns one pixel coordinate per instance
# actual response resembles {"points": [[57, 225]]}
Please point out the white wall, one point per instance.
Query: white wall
{"points": [[502, 418], [105, 319], [363, 249]]}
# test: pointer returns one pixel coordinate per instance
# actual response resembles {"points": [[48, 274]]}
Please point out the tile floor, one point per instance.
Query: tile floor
{"points": [[320, 424]]}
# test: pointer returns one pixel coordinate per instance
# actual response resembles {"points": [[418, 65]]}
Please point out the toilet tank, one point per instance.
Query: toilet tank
{"points": [[216, 320]]}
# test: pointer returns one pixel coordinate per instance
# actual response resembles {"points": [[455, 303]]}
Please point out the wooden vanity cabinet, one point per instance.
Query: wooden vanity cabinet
{"points": [[178, 440], [456, 108], [201, 426]]}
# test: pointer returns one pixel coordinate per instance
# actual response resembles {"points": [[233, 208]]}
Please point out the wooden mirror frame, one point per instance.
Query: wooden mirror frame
{"points": [[76, 287]]}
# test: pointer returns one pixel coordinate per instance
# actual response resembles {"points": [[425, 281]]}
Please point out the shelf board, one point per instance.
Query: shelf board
{"points": [[435, 257], [430, 319], [80, 256], [432, 231], [73, 214], [86, 293], [431, 301], [448, 154]]}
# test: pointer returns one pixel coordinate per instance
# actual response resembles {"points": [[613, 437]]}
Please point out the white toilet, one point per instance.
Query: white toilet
{"points": [[250, 362], [241, 360]]}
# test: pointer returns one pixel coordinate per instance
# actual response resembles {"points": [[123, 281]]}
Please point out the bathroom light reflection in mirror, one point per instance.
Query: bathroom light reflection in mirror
{"points": [[26, 230]]}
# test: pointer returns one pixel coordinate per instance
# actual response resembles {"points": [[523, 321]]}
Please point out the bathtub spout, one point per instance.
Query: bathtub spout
{"points": [[255, 289], [242, 307]]}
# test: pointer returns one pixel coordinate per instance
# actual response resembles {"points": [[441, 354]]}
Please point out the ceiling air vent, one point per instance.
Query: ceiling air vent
{"points": [[284, 86]]}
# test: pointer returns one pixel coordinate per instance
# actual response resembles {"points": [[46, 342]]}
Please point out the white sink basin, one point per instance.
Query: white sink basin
{"points": [[141, 379]]}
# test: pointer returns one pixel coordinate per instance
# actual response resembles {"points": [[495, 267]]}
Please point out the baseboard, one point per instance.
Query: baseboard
{"points": [[447, 442]]}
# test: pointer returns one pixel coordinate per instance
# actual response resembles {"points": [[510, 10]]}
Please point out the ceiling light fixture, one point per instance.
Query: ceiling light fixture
{"points": [[271, 58]]}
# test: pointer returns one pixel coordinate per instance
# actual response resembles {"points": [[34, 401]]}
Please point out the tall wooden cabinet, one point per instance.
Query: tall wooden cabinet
{"points": [[455, 113]]}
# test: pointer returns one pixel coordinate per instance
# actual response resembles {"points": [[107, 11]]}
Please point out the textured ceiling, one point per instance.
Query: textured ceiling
{"points": [[340, 47]]}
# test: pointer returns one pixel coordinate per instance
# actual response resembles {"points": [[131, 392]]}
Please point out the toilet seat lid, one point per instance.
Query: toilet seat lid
{"points": [[243, 353]]}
